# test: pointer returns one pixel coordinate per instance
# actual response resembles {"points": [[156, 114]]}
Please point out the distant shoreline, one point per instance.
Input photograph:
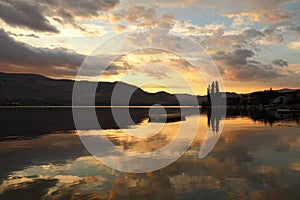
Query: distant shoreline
{"points": [[99, 107]]}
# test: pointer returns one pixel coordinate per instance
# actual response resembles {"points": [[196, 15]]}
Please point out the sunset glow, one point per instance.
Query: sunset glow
{"points": [[254, 44]]}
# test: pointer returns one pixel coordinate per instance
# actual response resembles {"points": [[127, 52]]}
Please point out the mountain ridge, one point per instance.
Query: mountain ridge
{"points": [[38, 90]]}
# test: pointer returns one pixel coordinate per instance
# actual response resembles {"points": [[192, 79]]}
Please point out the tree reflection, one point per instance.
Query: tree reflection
{"points": [[214, 116]]}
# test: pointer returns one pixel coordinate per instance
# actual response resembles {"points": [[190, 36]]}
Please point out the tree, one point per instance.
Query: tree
{"points": [[208, 93], [212, 88], [217, 87]]}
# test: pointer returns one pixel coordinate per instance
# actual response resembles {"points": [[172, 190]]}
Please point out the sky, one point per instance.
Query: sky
{"points": [[253, 45]]}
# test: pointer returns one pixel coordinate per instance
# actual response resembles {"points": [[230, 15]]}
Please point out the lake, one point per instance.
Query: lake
{"points": [[257, 156]]}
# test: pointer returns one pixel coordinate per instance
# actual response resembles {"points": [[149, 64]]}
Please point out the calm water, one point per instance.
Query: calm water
{"points": [[256, 157]]}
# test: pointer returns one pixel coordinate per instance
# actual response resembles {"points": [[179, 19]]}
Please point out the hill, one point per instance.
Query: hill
{"points": [[37, 90]]}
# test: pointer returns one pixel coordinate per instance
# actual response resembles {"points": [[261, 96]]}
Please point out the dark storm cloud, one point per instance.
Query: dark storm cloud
{"points": [[240, 65], [24, 14], [280, 62], [33, 14], [249, 38], [20, 57], [84, 8], [66, 11], [20, 54], [238, 57], [236, 54]]}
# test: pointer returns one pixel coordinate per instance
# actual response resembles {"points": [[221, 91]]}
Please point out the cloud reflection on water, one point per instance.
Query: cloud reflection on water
{"points": [[250, 161]]}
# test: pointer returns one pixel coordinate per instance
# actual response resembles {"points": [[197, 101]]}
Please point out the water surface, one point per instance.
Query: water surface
{"points": [[256, 157]]}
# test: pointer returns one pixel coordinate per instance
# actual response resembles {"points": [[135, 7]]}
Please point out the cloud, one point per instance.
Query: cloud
{"points": [[34, 14], [66, 12], [230, 42], [295, 45], [251, 33], [238, 57], [23, 35], [243, 13], [271, 35], [258, 15], [23, 57], [85, 8], [280, 62], [296, 29], [187, 28], [58, 62], [235, 54], [248, 38], [143, 16], [155, 71], [24, 14], [119, 28], [229, 6], [240, 65]]}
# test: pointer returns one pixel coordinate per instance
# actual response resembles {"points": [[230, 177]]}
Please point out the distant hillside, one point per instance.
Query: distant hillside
{"points": [[37, 90]]}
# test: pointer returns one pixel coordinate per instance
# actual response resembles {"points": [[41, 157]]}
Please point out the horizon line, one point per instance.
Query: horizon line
{"points": [[201, 95]]}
